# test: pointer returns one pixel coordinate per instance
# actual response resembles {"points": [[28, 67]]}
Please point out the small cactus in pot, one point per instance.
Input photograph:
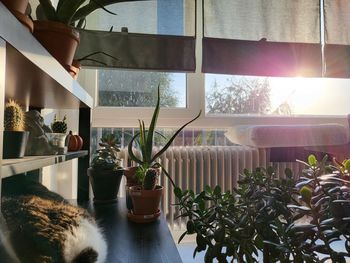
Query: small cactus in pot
{"points": [[59, 126], [14, 116], [150, 180], [15, 138], [58, 135]]}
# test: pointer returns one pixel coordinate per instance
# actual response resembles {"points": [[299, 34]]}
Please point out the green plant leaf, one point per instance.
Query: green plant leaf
{"points": [[178, 192], [174, 136], [152, 127], [130, 151], [217, 190], [311, 159], [49, 10], [182, 236]]}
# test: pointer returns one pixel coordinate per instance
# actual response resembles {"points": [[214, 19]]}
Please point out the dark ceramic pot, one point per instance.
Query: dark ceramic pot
{"points": [[15, 143], [105, 184]]}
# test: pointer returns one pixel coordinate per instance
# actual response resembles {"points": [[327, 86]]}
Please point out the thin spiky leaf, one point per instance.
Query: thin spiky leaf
{"points": [[130, 151], [49, 10], [149, 142], [173, 137], [167, 175]]}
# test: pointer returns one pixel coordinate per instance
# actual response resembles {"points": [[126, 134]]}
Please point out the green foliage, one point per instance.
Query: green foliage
{"points": [[107, 156], [142, 90], [59, 126], [150, 180], [287, 221], [74, 12], [145, 141], [13, 116], [240, 96]]}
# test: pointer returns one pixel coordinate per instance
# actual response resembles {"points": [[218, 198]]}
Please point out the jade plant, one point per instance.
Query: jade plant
{"points": [[59, 126], [280, 220], [144, 141], [74, 12], [106, 157], [13, 116]]}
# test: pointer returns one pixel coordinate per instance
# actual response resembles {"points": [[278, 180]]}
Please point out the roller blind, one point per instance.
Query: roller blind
{"points": [[264, 38], [161, 36], [337, 38]]}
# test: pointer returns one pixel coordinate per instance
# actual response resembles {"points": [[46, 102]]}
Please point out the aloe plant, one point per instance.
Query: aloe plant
{"points": [[145, 141], [70, 12]]}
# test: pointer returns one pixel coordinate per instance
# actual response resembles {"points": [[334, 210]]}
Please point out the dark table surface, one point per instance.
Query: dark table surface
{"points": [[132, 242], [128, 241]]}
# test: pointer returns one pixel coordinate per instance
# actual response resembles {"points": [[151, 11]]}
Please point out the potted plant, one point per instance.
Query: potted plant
{"points": [[58, 135], [273, 220], [15, 138], [18, 9], [145, 188], [55, 29], [105, 172]]}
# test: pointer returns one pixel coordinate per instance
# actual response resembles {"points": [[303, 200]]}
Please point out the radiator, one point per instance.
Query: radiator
{"points": [[194, 167]]}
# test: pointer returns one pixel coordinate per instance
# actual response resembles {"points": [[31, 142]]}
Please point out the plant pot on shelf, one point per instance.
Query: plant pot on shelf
{"points": [[14, 144], [105, 184], [16, 5], [18, 9], [56, 139], [146, 202], [60, 40]]}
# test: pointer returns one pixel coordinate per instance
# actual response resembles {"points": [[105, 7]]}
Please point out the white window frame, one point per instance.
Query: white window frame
{"points": [[110, 117]]}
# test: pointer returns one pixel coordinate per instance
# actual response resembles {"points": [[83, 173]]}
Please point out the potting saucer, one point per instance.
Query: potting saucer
{"points": [[143, 218]]}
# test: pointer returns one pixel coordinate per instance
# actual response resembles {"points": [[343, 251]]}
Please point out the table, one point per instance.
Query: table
{"points": [[132, 242], [128, 241]]}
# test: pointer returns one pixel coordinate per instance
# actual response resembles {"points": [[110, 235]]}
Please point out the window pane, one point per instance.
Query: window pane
{"points": [[175, 17], [228, 94], [123, 88]]}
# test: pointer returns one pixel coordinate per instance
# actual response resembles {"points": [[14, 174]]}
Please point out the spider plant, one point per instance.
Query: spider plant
{"points": [[144, 141]]}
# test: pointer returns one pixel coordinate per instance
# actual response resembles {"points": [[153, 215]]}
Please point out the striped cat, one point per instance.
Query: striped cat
{"points": [[43, 227]]}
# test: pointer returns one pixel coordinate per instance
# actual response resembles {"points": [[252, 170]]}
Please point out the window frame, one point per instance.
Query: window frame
{"points": [[126, 117]]}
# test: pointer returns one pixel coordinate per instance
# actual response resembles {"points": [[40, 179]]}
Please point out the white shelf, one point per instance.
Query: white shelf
{"points": [[33, 76], [28, 163]]}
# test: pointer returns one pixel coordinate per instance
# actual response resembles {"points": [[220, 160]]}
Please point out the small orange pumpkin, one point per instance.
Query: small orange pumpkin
{"points": [[75, 142]]}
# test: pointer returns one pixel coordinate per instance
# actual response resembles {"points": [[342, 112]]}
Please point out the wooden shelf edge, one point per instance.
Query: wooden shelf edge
{"points": [[28, 163]]}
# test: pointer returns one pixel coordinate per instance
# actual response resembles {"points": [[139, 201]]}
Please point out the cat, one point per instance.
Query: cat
{"points": [[43, 227]]}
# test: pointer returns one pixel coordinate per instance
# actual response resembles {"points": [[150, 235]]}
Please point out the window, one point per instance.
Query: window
{"points": [[126, 88], [229, 94], [281, 100]]}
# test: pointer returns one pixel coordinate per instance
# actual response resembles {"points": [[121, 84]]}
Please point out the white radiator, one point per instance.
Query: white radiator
{"points": [[194, 167]]}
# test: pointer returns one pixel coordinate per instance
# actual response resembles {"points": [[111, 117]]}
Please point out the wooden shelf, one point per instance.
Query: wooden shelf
{"points": [[28, 163], [33, 76]]}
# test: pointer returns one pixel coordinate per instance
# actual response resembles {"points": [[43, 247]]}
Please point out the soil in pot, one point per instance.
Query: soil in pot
{"points": [[105, 184], [59, 39], [145, 202], [14, 144]]}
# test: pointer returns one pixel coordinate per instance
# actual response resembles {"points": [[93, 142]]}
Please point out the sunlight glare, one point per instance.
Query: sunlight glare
{"points": [[300, 93]]}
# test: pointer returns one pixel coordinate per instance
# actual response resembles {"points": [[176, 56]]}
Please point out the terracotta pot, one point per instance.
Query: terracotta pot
{"points": [[105, 184], [130, 181], [145, 202], [16, 5], [25, 20], [59, 39]]}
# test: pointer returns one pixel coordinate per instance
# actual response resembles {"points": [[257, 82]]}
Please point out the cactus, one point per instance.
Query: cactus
{"points": [[59, 126], [13, 117], [151, 176]]}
